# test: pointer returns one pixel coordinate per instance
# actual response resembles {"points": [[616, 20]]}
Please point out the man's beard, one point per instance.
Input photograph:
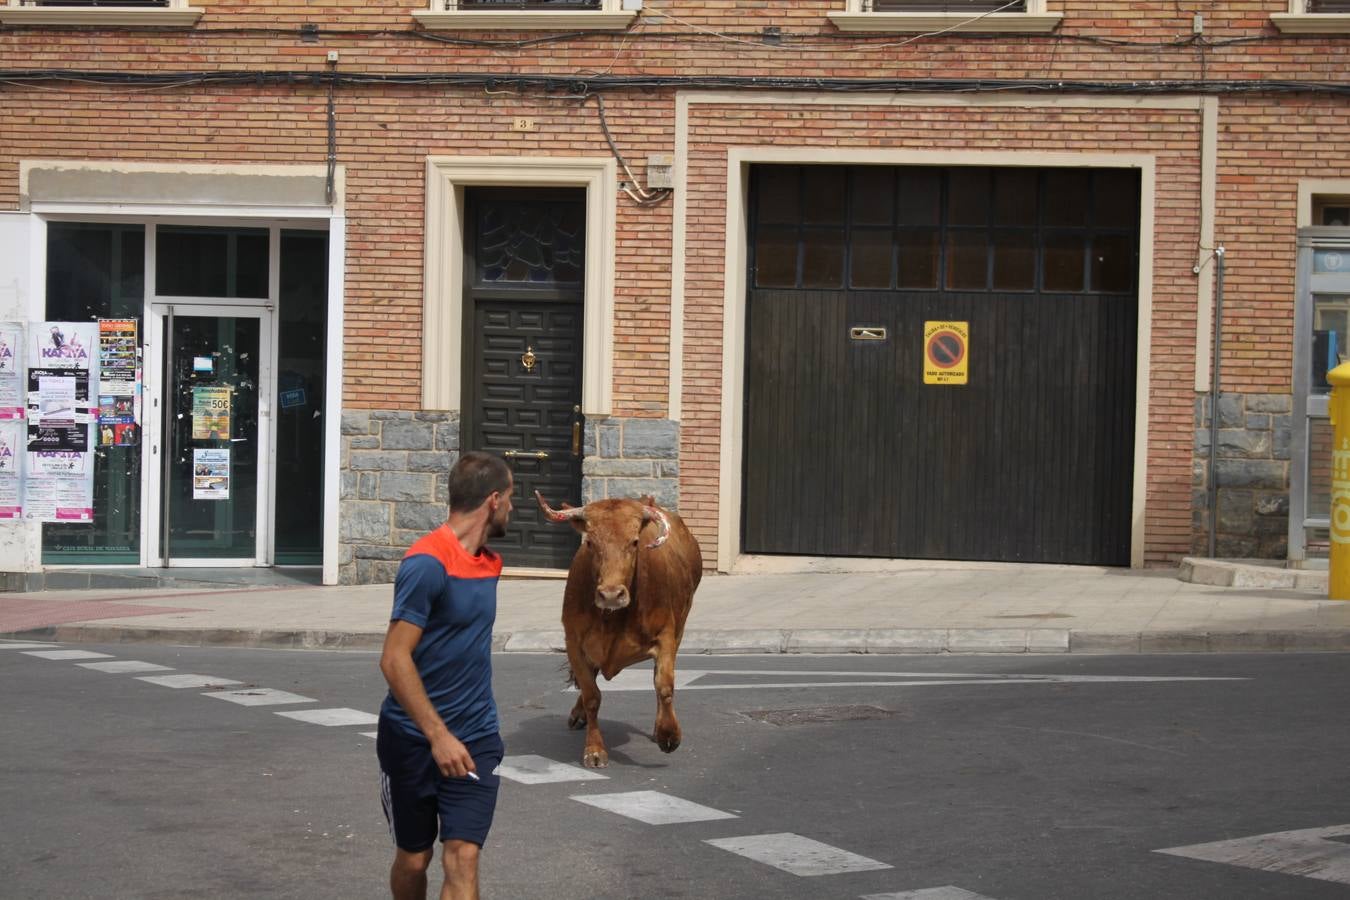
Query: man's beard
{"points": [[496, 529]]}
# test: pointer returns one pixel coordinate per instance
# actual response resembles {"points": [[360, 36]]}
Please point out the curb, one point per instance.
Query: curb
{"points": [[1251, 574], [872, 641]]}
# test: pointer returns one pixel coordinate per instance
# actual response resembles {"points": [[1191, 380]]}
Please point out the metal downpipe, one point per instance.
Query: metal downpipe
{"points": [[1211, 479]]}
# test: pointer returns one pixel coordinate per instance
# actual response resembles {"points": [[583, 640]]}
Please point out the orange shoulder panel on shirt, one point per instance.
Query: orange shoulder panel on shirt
{"points": [[444, 546]]}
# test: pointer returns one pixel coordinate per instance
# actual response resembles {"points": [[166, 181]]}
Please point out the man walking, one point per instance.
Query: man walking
{"points": [[438, 741]]}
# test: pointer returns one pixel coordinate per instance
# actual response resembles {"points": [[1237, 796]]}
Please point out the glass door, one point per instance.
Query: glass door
{"points": [[214, 443], [1322, 318]]}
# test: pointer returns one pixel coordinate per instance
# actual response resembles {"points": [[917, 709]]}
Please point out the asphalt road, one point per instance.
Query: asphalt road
{"points": [[964, 775]]}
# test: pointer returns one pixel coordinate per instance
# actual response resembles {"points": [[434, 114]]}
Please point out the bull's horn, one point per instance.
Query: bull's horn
{"points": [[564, 515], [652, 514]]}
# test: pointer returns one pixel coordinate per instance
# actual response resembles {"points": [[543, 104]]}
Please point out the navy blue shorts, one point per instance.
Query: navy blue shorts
{"points": [[421, 803]]}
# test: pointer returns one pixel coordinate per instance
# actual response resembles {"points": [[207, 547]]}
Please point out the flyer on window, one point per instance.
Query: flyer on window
{"points": [[118, 359], [211, 413], [63, 345], [210, 474], [59, 486]]}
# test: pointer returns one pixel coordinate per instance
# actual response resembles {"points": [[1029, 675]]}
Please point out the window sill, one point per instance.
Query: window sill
{"points": [[524, 20], [901, 23], [51, 15], [1311, 23]]}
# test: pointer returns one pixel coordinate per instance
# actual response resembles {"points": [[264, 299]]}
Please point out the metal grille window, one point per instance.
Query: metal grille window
{"points": [[1329, 6], [955, 229]]}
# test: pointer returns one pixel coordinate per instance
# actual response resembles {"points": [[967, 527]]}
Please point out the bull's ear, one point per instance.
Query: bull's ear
{"points": [[648, 500]]}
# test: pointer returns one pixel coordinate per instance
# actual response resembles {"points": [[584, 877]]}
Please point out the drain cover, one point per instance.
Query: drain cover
{"points": [[811, 715]]}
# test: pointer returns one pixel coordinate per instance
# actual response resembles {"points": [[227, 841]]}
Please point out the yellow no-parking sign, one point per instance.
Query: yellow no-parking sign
{"points": [[945, 352]]}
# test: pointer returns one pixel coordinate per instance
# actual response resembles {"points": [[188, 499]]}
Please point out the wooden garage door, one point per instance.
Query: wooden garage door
{"points": [[849, 453]]}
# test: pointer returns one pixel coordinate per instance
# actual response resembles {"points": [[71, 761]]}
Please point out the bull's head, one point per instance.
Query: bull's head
{"points": [[612, 529]]}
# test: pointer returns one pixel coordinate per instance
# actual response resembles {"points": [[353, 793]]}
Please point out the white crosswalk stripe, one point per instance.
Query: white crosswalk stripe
{"points": [[187, 680], [1320, 853], [32, 646], [707, 679], [260, 697], [330, 717], [370, 734], [531, 769], [124, 667], [796, 854], [653, 807], [67, 654], [946, 892]]}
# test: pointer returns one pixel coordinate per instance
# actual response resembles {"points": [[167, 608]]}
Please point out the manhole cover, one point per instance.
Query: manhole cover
{"points": [[810, 715]]}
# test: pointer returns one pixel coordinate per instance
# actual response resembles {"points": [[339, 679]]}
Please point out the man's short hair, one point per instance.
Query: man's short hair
{"points": [[476, 477]]}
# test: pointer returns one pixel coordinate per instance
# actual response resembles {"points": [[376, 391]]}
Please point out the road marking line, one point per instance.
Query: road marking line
{"points": [[531, 769], [370, 734], [260, 697], [330, 717], [947, 892], [1310, 852], [187, 681], [797, 855], [125, 667], [653, 807], [32, 646], [67, 654]]}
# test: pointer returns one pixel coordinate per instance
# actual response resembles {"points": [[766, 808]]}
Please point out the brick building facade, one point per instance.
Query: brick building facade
{"points": [[550, 231]]}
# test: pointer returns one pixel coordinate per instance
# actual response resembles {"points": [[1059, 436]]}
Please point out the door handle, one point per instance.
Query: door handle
{"points": [[527, 454], [576, 431]]}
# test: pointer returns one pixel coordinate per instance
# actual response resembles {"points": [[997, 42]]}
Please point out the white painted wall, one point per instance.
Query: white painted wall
{"points": [[20, 541]]}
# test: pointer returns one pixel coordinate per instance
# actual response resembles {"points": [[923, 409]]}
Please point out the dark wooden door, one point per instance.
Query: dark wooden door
{"points": [[849, 453], [523, 351]]}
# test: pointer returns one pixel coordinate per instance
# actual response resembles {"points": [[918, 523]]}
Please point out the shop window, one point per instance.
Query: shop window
{"points": [[94, 272], [591, 15], [99, 12], [302, 313], [211, 262], [902, 16]]}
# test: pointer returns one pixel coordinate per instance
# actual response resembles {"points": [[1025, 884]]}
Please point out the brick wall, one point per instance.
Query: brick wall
{"points": [[1267, 143]]}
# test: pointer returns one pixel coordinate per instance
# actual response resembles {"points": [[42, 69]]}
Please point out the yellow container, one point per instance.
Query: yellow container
{"points": [[1338, 584]]}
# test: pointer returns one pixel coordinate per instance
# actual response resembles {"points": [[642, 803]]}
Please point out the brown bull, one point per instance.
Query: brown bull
{"points": [[628, 594]]}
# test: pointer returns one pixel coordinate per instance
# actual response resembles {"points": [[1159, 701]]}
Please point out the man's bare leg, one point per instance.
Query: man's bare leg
{"points": [[460, 860], [408, 875]]}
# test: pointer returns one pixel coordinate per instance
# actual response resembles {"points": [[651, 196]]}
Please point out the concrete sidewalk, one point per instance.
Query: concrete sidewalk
{"points": [[908, 608]]}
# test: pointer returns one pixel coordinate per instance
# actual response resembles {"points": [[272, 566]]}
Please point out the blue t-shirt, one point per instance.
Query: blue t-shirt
{"points": [[452, 597]]}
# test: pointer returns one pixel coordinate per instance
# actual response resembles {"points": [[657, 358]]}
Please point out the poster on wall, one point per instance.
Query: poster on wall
{"points": [[63, 345], [210, 474], [11, 446], [62, 362], [211, 413], [117, 359], [11, 371]]}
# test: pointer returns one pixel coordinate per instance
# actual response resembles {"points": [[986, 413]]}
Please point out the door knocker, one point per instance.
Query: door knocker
{"points": [[528, 359]]}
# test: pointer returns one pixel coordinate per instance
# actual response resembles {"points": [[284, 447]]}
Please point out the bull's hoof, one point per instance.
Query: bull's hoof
{"points": [[595, 759], [576, 721], [668, 742]]}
